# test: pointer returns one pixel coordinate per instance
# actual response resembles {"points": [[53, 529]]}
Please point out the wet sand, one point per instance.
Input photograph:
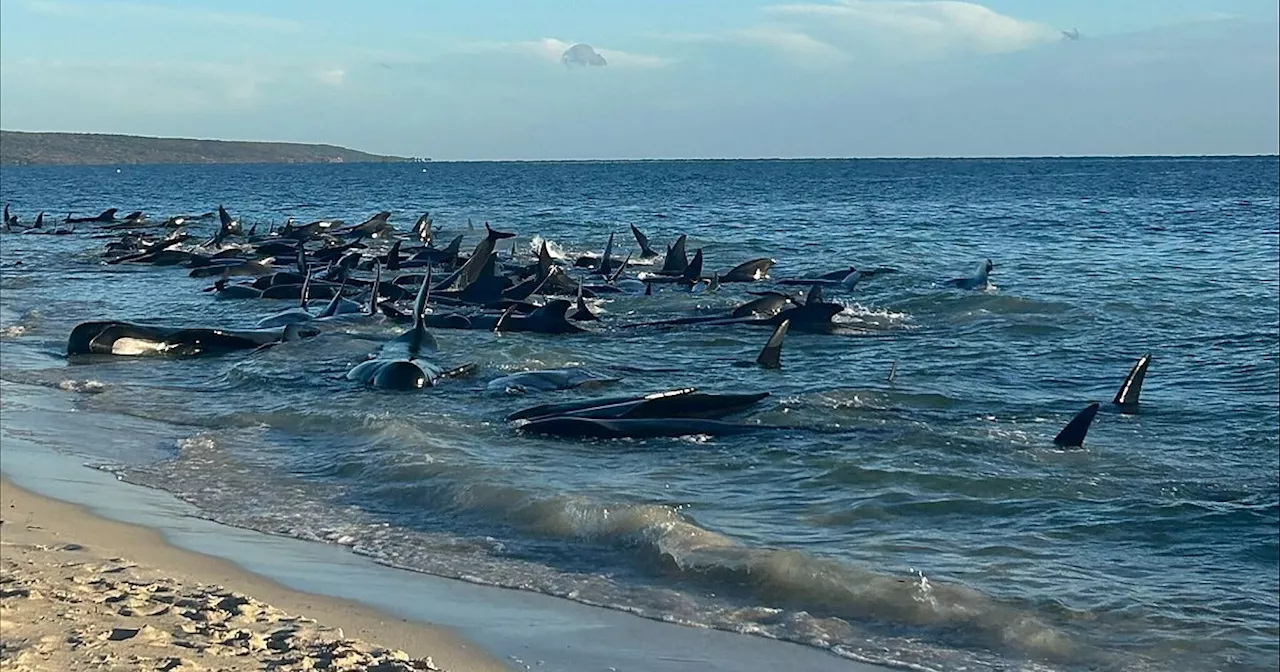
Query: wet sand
{"points": [[78, 591]]}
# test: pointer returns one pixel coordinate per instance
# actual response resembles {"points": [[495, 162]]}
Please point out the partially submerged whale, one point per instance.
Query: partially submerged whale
{"points": [[548, 380], [128, 339], [399, 364], [645, 428], [680, 403], [979, 280]]}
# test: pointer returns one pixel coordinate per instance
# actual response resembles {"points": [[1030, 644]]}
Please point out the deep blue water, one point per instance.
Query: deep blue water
{"points": [[942, 529]]}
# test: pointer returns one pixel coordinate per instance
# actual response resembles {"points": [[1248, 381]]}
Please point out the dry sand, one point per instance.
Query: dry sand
{"points": [[79, 592]]}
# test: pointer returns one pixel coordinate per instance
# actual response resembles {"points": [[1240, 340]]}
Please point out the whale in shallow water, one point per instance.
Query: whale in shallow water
{"points": [[547, 319], [399, 364], [108, 215], [680, 403], [548, 380], [749, 271], [979, 280], [643, 428], [128, 339]]}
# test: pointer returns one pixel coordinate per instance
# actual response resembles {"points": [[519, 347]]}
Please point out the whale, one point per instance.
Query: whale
{"points": [[373, 227], [128, 339], [548, 380], [399, 364], [1126, 399], [108, 215], [547, 319], [749, 271], [679, 403], [979, 280], [641, 428], [476, 263], [765, 306]]}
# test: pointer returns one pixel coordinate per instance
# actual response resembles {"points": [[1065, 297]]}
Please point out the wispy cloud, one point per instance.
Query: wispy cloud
{"points": [[243, 20], [791, 41], [841, 30], [935, 26]]}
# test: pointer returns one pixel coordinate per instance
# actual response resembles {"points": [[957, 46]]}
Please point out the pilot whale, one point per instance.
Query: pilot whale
{"points": [[979, 280], [128, 339]]}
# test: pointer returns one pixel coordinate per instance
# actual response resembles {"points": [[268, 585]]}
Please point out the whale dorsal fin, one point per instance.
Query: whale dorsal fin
{"points": [[332, 309], [393, 257], [544, 260], [605, 262], [373, 291], [676, 260], [771, 356], [1127, 395], [693, 272], [1072, 436], [306, 290], [815, 296], [621, 268], [420, 302]]}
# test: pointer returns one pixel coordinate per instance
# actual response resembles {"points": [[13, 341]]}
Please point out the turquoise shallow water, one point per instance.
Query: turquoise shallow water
{"points": [[942, 529]]}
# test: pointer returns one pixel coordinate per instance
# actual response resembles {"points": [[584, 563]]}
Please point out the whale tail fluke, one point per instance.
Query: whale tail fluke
{"points": [[646, 252]]}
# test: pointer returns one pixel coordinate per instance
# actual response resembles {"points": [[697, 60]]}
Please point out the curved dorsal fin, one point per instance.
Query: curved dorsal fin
{"points": [[1072, 436], [420, 302], [771, 356], [1127, 396]]}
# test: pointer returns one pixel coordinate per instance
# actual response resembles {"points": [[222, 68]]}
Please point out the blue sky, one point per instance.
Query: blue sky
{"points": [[695, 78]]}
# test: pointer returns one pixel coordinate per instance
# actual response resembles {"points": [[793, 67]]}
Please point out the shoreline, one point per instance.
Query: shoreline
{"points": [[45, 540], [517, 628]]}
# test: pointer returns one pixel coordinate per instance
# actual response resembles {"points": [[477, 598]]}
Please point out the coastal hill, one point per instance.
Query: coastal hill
{"points": [[23, 148]]}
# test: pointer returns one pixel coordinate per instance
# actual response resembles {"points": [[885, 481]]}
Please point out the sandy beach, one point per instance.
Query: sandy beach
{"points": [[79, 592]]}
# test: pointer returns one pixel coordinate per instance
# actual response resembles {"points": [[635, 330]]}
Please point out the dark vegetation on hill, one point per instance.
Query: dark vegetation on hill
{"points": [[22, 148]]}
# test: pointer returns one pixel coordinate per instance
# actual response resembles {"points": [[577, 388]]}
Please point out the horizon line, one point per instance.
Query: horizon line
{"points": [[424, 159]]}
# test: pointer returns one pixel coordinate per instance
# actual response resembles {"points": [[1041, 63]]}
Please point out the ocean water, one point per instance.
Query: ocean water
{"points": [[932, 526]]}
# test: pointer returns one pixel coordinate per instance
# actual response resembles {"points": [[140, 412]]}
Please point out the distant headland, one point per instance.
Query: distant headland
{"points": [[86, 149]]}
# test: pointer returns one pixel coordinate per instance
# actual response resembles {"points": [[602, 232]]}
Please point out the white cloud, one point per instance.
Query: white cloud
{"points": [[333, 77], [922, 27]]}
